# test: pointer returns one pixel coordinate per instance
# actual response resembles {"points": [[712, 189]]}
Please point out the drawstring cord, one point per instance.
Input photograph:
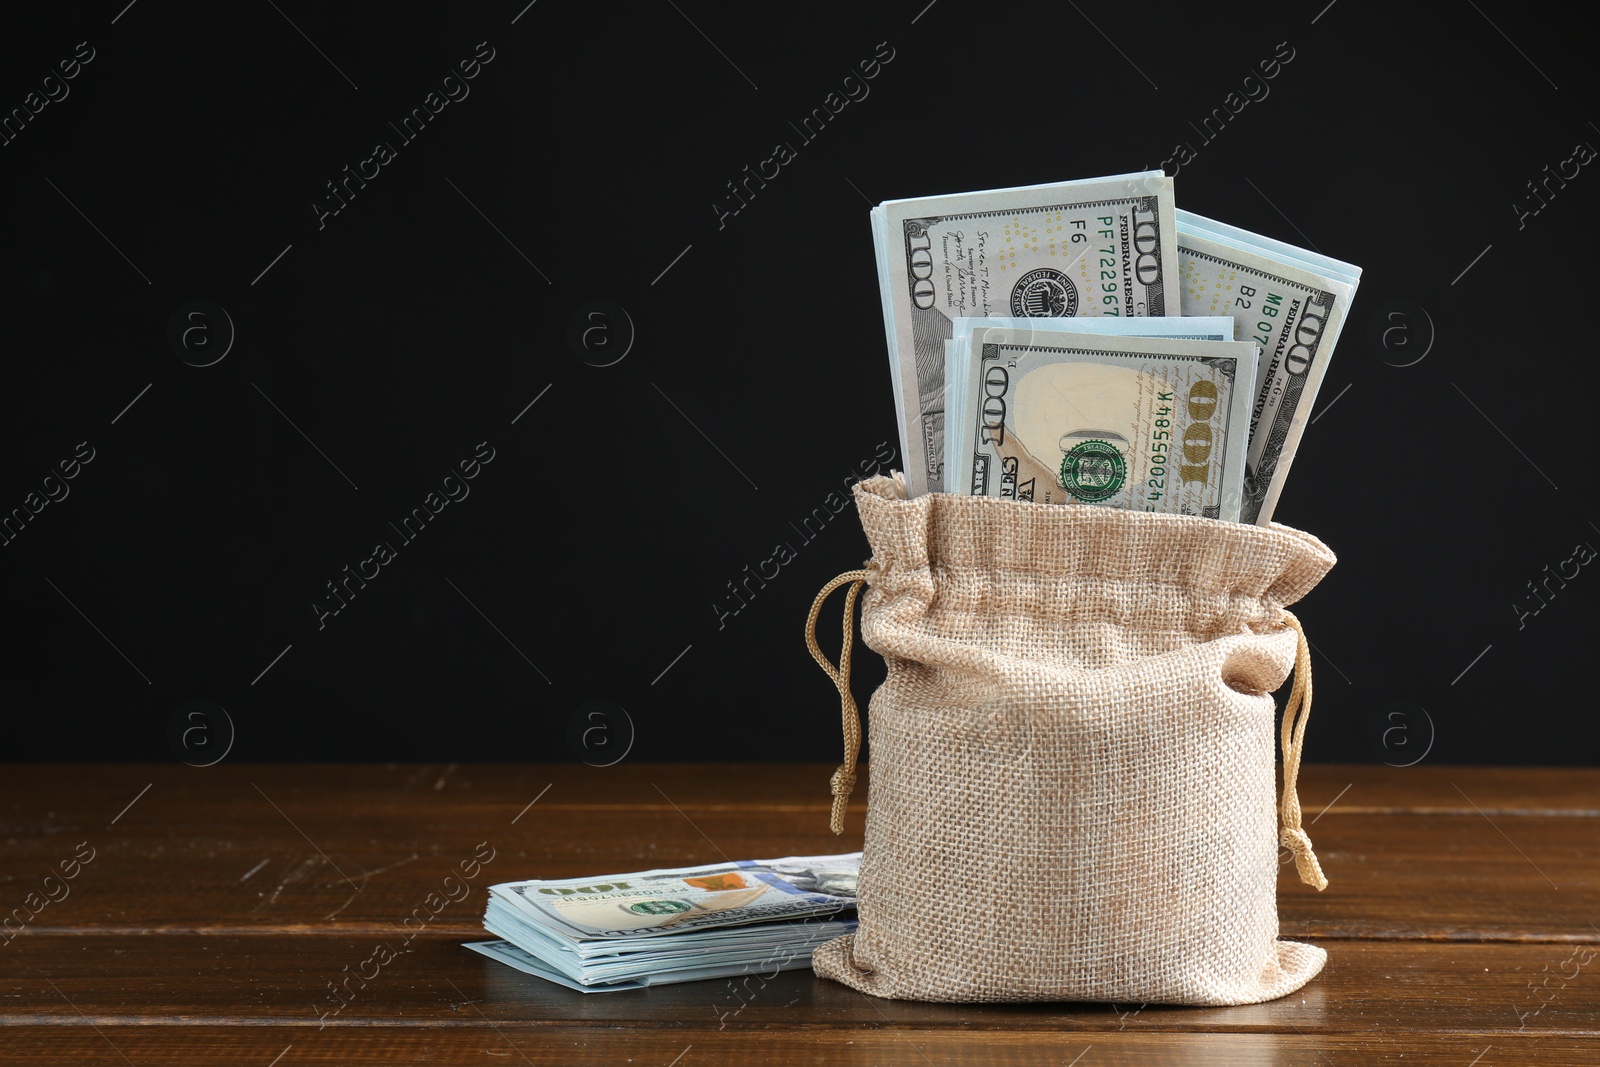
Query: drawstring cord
{"points": [[1293, 736], [844, 779]]}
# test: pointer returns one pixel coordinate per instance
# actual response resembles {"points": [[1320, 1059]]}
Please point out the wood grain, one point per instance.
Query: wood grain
{"points": [[316, 850], [283, 980], [221, 903], [212, 1046]]}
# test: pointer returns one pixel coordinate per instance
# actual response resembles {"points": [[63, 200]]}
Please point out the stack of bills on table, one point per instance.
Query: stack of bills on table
{"points": [[628, 931], [1114, 258]]}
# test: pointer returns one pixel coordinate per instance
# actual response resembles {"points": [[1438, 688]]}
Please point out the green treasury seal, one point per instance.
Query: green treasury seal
{"points": [[1093, 471], [659, 907]]}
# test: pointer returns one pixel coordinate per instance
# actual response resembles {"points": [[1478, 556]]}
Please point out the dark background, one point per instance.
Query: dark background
{"points": [[374, 351]]}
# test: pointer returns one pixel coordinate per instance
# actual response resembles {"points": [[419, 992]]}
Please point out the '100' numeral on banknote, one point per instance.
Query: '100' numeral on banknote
{"points": [[1290, 301], [1102, 247], [1094, 470], [1047, 292], [1152, 424]]}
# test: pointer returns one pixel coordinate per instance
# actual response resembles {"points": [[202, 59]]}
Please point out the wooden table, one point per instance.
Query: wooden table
{"points": [[211, 909]]}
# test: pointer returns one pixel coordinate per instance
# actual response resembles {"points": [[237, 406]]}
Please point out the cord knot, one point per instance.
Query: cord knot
{"points": [[1298, 842], [844, 779]]}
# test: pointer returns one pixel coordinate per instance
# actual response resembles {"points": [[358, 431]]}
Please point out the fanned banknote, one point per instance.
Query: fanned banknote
{"points": [[1094, 247], [1290, 301], [1195, 328], [626, 931], [1152, 424]]}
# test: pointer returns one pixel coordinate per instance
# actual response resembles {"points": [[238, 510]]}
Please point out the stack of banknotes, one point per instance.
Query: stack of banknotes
{"points": [[628, 931], [1087, 342]]}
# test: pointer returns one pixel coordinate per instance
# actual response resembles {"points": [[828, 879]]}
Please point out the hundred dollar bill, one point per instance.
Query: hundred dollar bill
{"points": [[1290, 301], [1099, 246], [1197, 328], [682, 899], [1152, 424]]}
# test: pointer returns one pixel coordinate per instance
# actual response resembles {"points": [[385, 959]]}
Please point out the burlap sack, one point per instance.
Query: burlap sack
{"points": [[1072, 789]]}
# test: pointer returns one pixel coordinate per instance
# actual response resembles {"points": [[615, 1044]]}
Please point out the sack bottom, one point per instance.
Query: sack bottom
{"points": [[1290, 966]]}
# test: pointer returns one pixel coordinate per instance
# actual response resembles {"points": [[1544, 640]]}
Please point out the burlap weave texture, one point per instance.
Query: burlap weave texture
{"points": [[1072, 793]]}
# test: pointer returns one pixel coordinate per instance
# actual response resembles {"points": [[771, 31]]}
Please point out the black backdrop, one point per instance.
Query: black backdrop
{"points": [[168, 205]]}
